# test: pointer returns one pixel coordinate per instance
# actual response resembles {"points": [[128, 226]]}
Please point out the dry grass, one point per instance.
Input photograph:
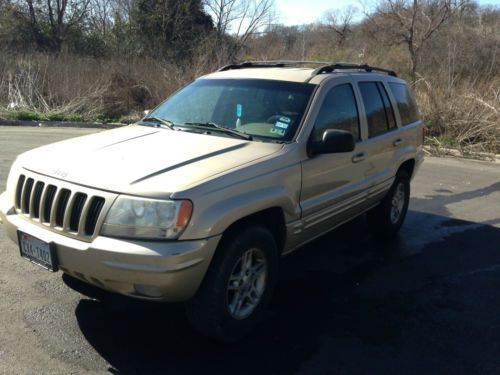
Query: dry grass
{"points": [[467, 118], [73, 84], [464, 115]]}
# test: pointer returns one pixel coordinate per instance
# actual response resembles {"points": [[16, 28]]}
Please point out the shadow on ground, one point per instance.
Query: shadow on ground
{"points": [[425, 303]]}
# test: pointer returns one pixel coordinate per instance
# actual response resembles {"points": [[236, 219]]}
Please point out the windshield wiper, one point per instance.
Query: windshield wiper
{"points": [[160, 121], [213, 125]]}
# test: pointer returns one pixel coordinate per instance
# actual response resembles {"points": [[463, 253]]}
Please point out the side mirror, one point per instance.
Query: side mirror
{"points": [[333, 141], [146, 112]]}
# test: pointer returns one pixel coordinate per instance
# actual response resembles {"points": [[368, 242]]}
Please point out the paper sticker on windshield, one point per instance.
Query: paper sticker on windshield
{"points": [[239, 110], [279, 127], [285, 119]]}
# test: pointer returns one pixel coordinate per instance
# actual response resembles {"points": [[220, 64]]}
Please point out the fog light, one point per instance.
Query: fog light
{"points": [[148, 290]]}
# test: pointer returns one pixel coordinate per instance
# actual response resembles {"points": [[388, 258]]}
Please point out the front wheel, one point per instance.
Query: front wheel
{"points": [[237, 286], [386, 219]]}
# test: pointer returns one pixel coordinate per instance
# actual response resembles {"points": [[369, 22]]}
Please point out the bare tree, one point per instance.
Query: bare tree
{"points": [[340, 22], [239, 18], [223, 12], [60, 15], [123, 8], [101, 15], [413, 23]]}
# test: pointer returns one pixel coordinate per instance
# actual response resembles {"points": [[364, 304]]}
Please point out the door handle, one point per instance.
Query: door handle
{"points": [[397, 142], [359, 157]]}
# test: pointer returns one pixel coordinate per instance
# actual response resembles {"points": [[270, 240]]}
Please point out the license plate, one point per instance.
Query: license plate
{"points": [[37, 251]]}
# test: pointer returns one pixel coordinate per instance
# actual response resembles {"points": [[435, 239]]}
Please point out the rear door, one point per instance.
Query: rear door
{"points": [[383, 137], [411, 132]]}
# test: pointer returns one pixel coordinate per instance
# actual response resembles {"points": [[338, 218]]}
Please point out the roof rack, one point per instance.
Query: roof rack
{"points": [[345, 66], [270, 64], [326, 67]]}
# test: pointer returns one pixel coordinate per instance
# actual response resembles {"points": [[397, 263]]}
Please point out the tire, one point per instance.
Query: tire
{"points": [[231, 301], [386, 219]]}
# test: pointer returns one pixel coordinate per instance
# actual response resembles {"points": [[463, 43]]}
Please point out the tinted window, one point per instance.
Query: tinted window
{"points": [[389, 112], [338, 111], [406, 103], [374, 108], [262, 108]]}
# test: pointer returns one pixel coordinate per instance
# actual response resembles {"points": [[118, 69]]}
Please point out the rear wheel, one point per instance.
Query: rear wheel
{"points": [[237, 286], [386, 219]]}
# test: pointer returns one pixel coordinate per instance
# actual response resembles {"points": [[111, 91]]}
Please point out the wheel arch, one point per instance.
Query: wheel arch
{"points": [[272, 218], [408, 166]]}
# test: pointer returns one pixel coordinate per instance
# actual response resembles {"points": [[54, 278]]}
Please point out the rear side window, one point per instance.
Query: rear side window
{"points": [[338, 111], [406, 103], [378, 116], [389, 112]]}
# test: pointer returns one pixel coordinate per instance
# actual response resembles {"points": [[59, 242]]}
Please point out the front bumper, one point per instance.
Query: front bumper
{"points": [[159, 270]]}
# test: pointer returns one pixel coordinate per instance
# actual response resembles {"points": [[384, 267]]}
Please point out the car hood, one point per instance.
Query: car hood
{"points": [[143, 160]]}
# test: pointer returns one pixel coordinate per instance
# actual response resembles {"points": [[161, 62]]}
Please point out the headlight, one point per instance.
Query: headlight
{"points": [[147, 218]]}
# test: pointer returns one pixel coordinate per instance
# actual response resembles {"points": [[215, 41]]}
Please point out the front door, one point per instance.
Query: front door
{"points": [[334, 186]]}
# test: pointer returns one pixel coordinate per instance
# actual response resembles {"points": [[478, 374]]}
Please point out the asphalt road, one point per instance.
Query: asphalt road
{"points": [[427, 303]]}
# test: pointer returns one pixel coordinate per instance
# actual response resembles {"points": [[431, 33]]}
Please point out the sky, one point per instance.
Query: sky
{"points": [[296, 12]]}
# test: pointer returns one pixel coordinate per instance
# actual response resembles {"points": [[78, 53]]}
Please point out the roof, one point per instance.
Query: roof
{"points": [[280, 74]]}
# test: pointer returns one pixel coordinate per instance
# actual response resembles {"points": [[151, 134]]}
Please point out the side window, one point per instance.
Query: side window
{"points": [[389, 111], [376, 116], [406, 103], [338, 111]]}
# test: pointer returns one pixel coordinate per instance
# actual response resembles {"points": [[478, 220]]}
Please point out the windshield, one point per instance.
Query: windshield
{"points": [[261, 108]]}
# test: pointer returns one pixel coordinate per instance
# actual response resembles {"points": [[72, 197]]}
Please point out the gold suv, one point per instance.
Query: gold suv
{"points": [[198, 201]]}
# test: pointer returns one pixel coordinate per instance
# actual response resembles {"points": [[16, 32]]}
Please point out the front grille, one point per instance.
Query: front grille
{"points": [[61, 208], [37, 196], [76, 212], [93, 214], [26, 198], [19, 189], [62, 204], [49, 201]]}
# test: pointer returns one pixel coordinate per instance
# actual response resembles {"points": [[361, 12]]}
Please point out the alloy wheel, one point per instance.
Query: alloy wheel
{"points": [[247, 283]]}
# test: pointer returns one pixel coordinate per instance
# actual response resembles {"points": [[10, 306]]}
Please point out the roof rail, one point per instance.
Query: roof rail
{"points": [[326, 67], [269, 64], [346, 66]]}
